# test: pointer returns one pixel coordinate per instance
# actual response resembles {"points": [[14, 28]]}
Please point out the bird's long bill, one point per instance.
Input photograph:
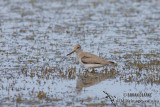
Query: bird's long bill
{"points": [[70, 53]]}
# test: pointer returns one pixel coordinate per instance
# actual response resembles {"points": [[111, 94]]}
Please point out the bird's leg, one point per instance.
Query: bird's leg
{"points": [[87, 70], [86, 73], [93, 71]]}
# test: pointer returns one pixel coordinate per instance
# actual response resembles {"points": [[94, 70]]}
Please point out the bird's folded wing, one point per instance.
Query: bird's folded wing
{"points": [[90, 60], [93, 59]]}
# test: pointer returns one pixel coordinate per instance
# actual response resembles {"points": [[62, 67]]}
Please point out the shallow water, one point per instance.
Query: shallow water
{"points": [[36, 36]]}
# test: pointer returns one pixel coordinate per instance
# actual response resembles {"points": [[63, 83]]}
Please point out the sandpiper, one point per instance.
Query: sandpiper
{"points": [[89, 60]]}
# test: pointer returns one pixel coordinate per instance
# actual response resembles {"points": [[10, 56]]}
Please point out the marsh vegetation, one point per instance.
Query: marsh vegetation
{"points": [[36, 36]]}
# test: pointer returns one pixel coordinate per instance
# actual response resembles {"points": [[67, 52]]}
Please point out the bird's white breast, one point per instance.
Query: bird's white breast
{"points": [[93, 65]]}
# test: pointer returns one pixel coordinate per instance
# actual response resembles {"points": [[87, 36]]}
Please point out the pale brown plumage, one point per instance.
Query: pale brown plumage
{"points": [[89, 60]]}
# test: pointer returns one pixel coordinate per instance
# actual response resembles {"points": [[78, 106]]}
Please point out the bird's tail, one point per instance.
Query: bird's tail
{"points": [[112, 63]]}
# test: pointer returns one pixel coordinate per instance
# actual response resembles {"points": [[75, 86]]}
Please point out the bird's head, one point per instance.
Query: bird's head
{"points": [[77, 48]]}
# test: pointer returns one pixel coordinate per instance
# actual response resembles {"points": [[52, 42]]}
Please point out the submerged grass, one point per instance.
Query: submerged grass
{"points": [[33, 46], [41, 94], [144, 68]]}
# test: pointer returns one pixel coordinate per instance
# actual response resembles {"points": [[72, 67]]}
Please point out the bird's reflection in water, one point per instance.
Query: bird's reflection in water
{"points": [[90, 78]]}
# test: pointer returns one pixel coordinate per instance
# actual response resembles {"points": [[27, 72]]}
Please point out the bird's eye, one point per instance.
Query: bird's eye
{"points": [[78, 47]]}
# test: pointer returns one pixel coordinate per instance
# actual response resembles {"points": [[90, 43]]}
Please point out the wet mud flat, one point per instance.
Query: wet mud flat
{"points": [[36, 36]]}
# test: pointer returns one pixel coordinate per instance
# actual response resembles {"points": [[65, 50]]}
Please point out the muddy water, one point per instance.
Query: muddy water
{"points": [[35, 37]]}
